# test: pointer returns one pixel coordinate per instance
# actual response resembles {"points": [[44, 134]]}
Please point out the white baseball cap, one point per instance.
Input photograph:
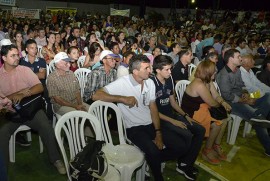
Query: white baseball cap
{"points": [[61, 56], [104, 53], [5, 42]]}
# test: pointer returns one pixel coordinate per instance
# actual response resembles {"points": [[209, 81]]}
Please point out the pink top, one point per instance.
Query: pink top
{"points": [[19, 78]]}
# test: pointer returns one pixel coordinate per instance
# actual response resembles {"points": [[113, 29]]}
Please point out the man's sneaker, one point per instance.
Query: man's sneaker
{"points": [[21, 140], [60, 167], [186, 171], [195, 170]]}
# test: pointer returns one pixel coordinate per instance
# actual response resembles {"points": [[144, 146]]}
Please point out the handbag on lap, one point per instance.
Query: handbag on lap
{"points": [[218, 113]]}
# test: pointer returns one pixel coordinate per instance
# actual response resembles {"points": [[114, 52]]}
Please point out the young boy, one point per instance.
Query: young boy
{"points": [[180, 128]]}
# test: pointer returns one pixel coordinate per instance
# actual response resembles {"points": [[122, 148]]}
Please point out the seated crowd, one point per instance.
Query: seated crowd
{"points": [[137, 67]]}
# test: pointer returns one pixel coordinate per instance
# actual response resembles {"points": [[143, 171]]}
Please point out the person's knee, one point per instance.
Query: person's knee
{"points": [[216, 126], [199, 130]]}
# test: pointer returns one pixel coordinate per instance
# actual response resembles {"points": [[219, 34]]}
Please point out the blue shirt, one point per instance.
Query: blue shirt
{"points": [[35, 66]]}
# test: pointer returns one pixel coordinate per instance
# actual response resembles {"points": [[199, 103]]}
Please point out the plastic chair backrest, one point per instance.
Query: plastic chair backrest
{"points": [[193, 47], [147, 54], [39, 51], [191, 67], [51, 67], [217, 87], [81, 75], [180, 88], [81, 61], [71, 125], [100, 110], [196, 61]]}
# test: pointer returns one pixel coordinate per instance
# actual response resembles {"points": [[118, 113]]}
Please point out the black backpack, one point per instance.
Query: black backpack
{"points": [[90, 164]]}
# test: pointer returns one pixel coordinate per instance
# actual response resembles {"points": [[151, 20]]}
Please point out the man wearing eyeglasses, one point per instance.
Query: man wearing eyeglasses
{"points": [[100, 76], [18, 82]]}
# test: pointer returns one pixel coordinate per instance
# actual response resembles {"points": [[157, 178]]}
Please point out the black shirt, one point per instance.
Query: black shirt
{"points": [[179, 72], [163, 92]]}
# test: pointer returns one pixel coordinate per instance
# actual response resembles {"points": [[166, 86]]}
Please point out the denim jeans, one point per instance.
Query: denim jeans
{"points": [[245, 111]]}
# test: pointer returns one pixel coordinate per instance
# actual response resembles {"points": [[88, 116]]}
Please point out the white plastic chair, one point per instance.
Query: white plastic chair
{"points": [[180, 88], [147, 54], [81, 61], [50, 67], [191, 67], [71, 125], [56, 117], [12, 141], [193, 47], [81, 75], [234, 124], [39, 51], [196, 61], [125, 158]]}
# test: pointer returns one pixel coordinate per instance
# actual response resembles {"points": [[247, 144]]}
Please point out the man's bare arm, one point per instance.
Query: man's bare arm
{"points": [[104, 96]]}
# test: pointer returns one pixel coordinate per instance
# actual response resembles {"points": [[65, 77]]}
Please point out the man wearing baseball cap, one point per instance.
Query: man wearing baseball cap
{"points": [[100, 76], [63, 87]]}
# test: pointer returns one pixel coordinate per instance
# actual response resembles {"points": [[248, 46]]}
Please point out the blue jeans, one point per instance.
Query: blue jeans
{"points": [[245, 111]]}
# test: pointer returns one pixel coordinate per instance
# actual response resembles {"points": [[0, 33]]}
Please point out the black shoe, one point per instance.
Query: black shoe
{"points": [[186, 171], [195, 170], [21, 140]]}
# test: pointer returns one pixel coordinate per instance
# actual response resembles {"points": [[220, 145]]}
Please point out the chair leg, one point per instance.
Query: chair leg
{"points": [[140, 174], [40, 145], [247, 129], [229, 130], [235, 127], [28, 135], [12, 148]]}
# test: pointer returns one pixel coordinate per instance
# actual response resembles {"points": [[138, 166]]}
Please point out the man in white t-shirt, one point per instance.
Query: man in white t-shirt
{"points": [[135, 96]]}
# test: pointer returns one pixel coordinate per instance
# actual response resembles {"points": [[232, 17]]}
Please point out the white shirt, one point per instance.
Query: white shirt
{"points": [[122, 71], [252, 84], [128, 86]]}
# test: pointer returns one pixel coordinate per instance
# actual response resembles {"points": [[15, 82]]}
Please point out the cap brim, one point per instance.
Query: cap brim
{"points": [[67, 59], [114, 55]]}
